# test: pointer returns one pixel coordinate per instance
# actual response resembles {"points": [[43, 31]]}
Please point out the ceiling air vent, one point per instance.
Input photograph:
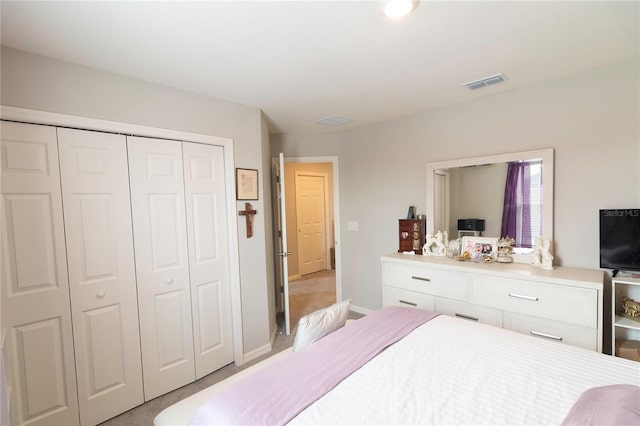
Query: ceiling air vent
{"points": [[483, 82], [333, 121]]}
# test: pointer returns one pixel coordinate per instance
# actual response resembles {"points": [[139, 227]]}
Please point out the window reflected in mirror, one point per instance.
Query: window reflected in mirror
{"points": [[522, 206]]}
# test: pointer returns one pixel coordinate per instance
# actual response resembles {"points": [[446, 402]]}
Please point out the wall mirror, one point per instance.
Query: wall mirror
{"points": [[474, 188]]}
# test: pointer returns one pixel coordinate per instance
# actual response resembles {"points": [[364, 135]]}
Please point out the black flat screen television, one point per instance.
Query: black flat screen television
{"points": [[620, 239]]}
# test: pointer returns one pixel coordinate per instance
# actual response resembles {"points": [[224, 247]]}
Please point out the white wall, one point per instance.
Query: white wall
{"points": [[477, 192], [307, 145], [590, 119], [40, 83]]}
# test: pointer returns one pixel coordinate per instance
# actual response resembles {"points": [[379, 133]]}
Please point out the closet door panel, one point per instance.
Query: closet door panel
{"points": [[174, 339], [99, 235], [36, 309], [157, 193], [164, 219], [31, 239], [208, 260], [33, 340]]}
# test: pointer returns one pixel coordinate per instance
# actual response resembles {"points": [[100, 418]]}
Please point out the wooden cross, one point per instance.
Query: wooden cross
{"points": [[248, 214]]}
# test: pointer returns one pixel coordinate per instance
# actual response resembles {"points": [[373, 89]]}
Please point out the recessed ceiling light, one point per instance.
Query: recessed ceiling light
{"points": [[398, 8]]}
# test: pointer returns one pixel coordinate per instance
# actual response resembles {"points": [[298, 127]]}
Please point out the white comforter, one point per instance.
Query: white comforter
{"points": [[452, 371]]}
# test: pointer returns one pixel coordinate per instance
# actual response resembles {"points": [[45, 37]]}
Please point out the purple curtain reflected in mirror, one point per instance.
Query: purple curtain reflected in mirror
{"points": [[522, 210]]}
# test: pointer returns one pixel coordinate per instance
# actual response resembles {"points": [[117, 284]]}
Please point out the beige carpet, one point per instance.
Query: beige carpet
{"points": [[308, 294], [145, 413]]}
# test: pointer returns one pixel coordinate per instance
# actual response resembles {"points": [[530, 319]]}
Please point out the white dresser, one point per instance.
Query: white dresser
{"points": [[563, 305]]}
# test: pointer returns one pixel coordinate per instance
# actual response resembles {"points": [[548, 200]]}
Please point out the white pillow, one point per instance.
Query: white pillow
{"points": [[318, 324]]}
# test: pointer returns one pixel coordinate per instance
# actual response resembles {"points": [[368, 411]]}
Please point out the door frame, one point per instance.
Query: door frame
{"points": [[336, 210], [73, 121], [447, 206]]}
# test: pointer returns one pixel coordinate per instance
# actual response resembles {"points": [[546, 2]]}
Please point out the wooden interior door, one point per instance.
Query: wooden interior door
{"points": [[36, 311], [97, 214], [205, 196], [311, 219], [162, 264]]}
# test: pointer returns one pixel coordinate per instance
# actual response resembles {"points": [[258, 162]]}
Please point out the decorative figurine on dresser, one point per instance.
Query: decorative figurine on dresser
{"points": [[540, 256], [505, 248], [436, 244], [411, 235]]}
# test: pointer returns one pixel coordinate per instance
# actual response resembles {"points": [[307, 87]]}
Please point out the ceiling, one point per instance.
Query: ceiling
{"points": [[301, 61]]}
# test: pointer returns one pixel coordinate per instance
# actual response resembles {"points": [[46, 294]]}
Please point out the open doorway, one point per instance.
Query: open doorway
{"points": [[311, 199]]}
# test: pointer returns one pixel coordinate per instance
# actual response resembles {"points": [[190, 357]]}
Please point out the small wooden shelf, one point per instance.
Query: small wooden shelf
{"points": [[623, 328], [411, 235], [621, 321]]}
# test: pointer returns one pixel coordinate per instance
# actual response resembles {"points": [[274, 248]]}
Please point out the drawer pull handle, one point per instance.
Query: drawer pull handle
{"points": [[408, 303], [520, 296], [545, 335], [421, 278], [466, 317]]}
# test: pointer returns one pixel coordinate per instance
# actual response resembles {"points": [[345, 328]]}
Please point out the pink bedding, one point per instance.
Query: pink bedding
{"points": [[606, 405], [275, 395]]}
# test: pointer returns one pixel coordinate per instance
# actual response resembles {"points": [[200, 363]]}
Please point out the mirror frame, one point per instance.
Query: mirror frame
{"points": [[547, 178]]}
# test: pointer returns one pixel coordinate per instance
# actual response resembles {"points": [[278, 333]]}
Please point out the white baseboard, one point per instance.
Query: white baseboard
{"points": [[248, 356], [262, 349], [361, 310]]}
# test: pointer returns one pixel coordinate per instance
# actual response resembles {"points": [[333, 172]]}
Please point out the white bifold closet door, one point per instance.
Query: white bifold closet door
{"points": [[182, 266], [36, 311], [97, 214], [208, 256], [162, 264], [87, 322]]}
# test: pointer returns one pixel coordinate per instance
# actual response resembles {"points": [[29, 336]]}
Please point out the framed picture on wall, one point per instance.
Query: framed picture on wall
{"points": [[246, 184]]}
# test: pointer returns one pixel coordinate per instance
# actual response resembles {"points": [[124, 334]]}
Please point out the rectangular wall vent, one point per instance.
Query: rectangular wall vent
{"points": [[484, 82], [333, 121]]}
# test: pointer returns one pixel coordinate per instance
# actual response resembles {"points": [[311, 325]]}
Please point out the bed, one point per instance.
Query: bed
{"points": [[445, 370]]}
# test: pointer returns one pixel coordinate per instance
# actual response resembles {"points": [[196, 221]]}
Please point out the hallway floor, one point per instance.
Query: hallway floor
{"points": [[310, 293]]}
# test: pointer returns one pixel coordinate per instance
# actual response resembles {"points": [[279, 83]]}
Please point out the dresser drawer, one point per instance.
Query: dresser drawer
{"points": [[437, 282], [468, 311], [392, 296], [571, 334], [572, 305]]}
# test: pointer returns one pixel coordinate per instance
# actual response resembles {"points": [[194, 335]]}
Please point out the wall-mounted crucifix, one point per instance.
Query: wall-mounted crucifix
{"points": [[248, 214]]}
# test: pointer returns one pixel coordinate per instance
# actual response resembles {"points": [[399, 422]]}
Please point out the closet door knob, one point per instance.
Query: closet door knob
{"points": [[100, 294], [169, 280]]}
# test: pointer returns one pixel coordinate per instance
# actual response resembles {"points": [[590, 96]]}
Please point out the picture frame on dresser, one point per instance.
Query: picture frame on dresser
{"points": [[480, 245]]}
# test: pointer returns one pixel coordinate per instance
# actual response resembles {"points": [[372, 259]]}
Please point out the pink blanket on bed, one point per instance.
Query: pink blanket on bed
{"points": [[276, 394]]}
